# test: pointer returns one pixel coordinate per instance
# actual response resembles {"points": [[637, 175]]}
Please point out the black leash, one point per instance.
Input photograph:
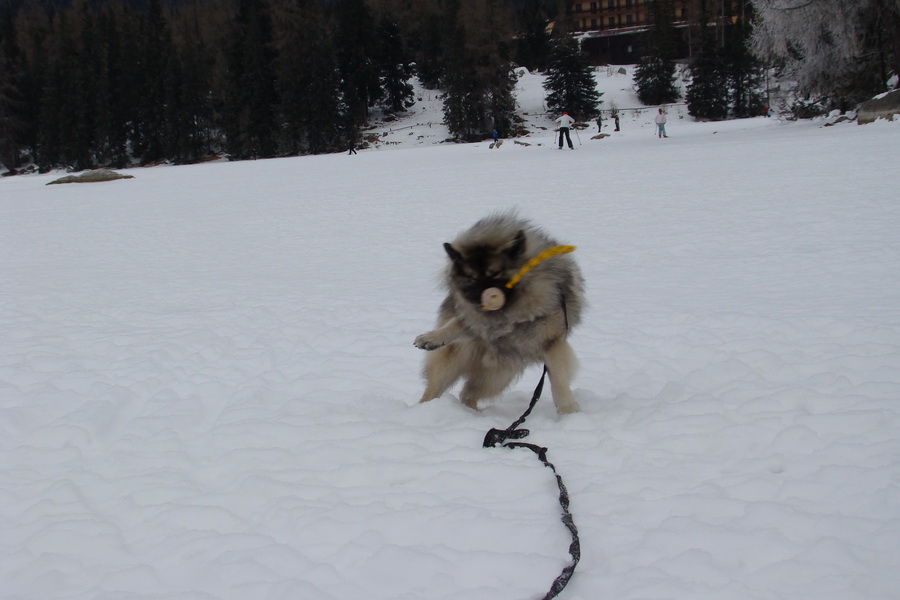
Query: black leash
{"points": [[500, 437]]}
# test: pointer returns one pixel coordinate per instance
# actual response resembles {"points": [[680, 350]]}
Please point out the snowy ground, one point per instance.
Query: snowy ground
{"points": [[208, 382]]}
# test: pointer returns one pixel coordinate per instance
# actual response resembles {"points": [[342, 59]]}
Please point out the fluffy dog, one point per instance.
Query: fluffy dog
{"points": [[487, 332]]}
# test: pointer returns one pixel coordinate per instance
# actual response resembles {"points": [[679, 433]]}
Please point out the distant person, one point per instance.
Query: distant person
{"points": [[494, 135], [599, 123], [565, 122], [660, 121], [351, 145], [616, 119]]}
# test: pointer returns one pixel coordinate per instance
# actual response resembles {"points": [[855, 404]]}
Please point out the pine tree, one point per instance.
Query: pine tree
{"points": [[725, 77], [394, 67], [69, 93], [654, 75], [189, 112], [356, 51], [308, 81], [251, 101], [99, 113], [12, 126], [113, 127], [479, 80], [48, 146], [32, 29], [743, 69], [570, 81], [89, 81], [654, 78], [533, 44], [708, 92], [177, 116], [460, 96], [154, 50], [429, 35]]}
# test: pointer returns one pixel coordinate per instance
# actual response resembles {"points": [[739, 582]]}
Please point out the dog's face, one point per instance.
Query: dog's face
{"points": [[480, 267]]}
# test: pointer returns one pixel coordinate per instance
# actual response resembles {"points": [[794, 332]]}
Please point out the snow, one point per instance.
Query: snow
{"points": [[208, 383]]}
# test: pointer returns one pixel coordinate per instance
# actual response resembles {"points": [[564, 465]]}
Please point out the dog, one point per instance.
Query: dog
{"points": [[487, 331]]}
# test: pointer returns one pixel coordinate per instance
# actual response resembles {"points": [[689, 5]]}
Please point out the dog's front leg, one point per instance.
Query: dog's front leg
{"points": [[561, 365], [447, 334]]}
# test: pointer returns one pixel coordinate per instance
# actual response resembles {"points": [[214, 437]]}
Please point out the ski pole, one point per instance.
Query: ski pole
{"points": [[576, 135]]}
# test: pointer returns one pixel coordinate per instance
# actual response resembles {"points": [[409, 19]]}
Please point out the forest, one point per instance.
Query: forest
{"points": [[116, 82], [87, 83]]}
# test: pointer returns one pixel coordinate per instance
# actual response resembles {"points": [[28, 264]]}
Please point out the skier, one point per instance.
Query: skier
{"points": [[660, 121], [599, 123], [616, 117], [565, 122]]}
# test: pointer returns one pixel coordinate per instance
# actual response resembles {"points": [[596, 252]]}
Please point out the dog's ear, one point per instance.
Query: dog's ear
{"points": [[516, 248], [453, 253]]}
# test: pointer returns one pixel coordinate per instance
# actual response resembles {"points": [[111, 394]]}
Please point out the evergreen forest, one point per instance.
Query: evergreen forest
{"points": [[114, 83], [86, 83]]}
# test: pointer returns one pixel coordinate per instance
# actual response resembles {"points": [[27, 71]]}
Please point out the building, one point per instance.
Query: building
{"points": [[610, 30], [617, 15]]}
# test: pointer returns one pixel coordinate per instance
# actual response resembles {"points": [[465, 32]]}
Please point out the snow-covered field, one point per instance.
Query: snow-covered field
{"points": [[208, 384]]}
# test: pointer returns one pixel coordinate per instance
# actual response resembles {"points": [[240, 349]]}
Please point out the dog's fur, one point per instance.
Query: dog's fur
{"points": [[491, 349]]}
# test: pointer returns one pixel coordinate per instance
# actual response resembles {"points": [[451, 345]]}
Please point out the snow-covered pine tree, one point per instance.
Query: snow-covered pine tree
{"points": [[840, 50]]}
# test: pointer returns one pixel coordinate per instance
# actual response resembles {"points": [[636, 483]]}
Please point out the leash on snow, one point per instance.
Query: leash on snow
{"points": [[500, 437]]}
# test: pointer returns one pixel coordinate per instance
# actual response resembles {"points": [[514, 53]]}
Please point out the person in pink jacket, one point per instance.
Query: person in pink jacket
{"points": [[660, 121]]}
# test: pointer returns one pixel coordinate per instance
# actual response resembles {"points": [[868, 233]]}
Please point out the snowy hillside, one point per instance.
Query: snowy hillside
{"points": [[208, 384], [422, 125]]}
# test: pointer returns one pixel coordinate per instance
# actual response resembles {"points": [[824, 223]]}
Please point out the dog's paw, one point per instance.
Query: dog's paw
{"points": [[428, 341], [567, 408]]}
